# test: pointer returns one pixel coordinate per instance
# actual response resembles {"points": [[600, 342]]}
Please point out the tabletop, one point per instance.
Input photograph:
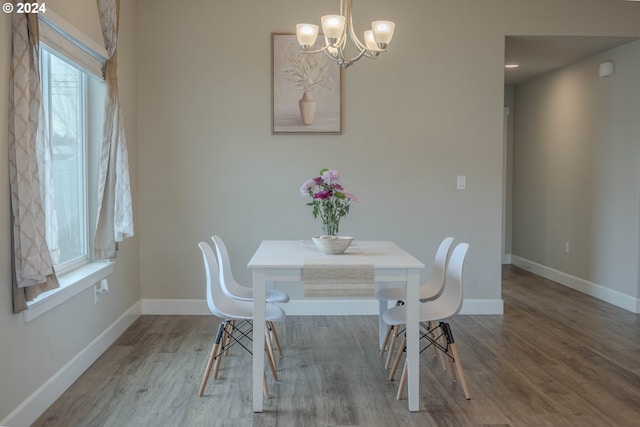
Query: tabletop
{"points": [[289, 254]]}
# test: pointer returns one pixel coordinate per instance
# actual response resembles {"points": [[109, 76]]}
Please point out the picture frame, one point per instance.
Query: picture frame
{"points": [[306, 90]]}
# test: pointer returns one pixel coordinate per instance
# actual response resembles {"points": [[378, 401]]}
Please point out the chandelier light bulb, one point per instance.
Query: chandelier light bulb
{"points": [[332, 27], [307, 34], [382, 32]]}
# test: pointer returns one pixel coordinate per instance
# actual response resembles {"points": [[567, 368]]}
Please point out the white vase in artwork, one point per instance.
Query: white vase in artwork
{"points": [[307, 108]]}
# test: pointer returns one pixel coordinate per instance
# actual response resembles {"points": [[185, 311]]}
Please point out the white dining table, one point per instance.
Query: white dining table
{"points": [[283, 260]]}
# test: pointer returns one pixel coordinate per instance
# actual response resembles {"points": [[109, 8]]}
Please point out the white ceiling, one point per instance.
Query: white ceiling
{"points": [[539, 54]]}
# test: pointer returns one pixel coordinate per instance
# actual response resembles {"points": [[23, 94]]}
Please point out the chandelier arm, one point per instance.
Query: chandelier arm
{"points": [[356, 42], [354, 59], [323, 49], [331, 57], [346, 11], [352, 34], [341, 59], [342, 41], [345, 7]]}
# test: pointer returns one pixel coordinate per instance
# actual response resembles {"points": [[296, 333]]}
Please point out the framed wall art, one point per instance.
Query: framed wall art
{"points": [[306, 89]]}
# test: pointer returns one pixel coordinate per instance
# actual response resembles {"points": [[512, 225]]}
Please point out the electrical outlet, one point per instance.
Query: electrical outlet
{"points": [[566, 248]]}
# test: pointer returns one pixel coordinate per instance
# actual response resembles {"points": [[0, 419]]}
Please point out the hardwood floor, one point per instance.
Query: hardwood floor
{"points": [[556, 358]]}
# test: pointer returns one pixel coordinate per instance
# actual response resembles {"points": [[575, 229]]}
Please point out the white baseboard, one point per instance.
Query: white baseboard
{"points": [[29, 410], [597, 291], [310, 307], [506, 259]]}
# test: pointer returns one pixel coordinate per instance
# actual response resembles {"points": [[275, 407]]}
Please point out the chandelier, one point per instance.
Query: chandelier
{"points": [[336, 28]]}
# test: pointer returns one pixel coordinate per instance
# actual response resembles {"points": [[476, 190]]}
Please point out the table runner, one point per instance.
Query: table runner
{"points": [[350, 274]]}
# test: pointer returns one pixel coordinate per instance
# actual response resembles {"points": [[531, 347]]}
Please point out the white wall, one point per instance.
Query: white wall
{"points": [[577, 173], [428, 110], [33, 353]]}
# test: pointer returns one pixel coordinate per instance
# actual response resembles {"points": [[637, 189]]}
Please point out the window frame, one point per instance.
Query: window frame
{"points": [[67, 42], [86, 258]]}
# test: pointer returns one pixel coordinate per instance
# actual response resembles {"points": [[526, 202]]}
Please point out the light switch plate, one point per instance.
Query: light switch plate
{"points": [[462, 182]]}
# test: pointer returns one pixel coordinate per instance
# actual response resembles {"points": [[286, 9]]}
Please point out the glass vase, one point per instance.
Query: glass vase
{"points": [[330, 229]]}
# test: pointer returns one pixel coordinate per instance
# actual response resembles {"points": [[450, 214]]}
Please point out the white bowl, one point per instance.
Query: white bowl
{"points": [[332, 245]]}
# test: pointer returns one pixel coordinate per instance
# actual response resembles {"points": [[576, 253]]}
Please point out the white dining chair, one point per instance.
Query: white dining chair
{"points": [[231, 286], [431, 289], [245, 293], [230, 310], [435, 312]]}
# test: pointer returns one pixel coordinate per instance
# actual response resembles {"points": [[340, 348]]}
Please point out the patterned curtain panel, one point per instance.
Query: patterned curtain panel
{"points": [[115, 217], [32, 267]]}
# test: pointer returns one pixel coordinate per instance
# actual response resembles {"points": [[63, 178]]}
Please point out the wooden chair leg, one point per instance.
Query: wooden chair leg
{"points": [[452, 365], [274, 334], [432, 326], [442, 340], [225, 338], [456, 358], [394, 338], [443, 360], [386, 340], [212, 357], [207, 371], [431, 334], [463, 379], [230, 327], [269, 344], [265, 387], [268, 349], [396, 363], [216, 367], [445, 341], [403, 380]]}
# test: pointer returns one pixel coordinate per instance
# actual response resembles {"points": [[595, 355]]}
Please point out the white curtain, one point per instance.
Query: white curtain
{"points": [[29, 172], [115, 212]]}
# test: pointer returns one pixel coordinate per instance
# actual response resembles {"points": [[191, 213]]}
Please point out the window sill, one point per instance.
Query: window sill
{"points": [[71, 284]]}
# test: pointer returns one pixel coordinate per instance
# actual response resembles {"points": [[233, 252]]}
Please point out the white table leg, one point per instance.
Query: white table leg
{"points": [[382, 327], [413, 340], [259, 315]]}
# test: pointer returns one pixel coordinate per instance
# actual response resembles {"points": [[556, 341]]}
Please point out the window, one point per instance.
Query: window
{"points": [[73, 99], [64, 97]]}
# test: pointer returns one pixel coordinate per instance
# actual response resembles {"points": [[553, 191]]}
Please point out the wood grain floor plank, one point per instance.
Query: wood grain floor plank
{"points": [[555, 358]]}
